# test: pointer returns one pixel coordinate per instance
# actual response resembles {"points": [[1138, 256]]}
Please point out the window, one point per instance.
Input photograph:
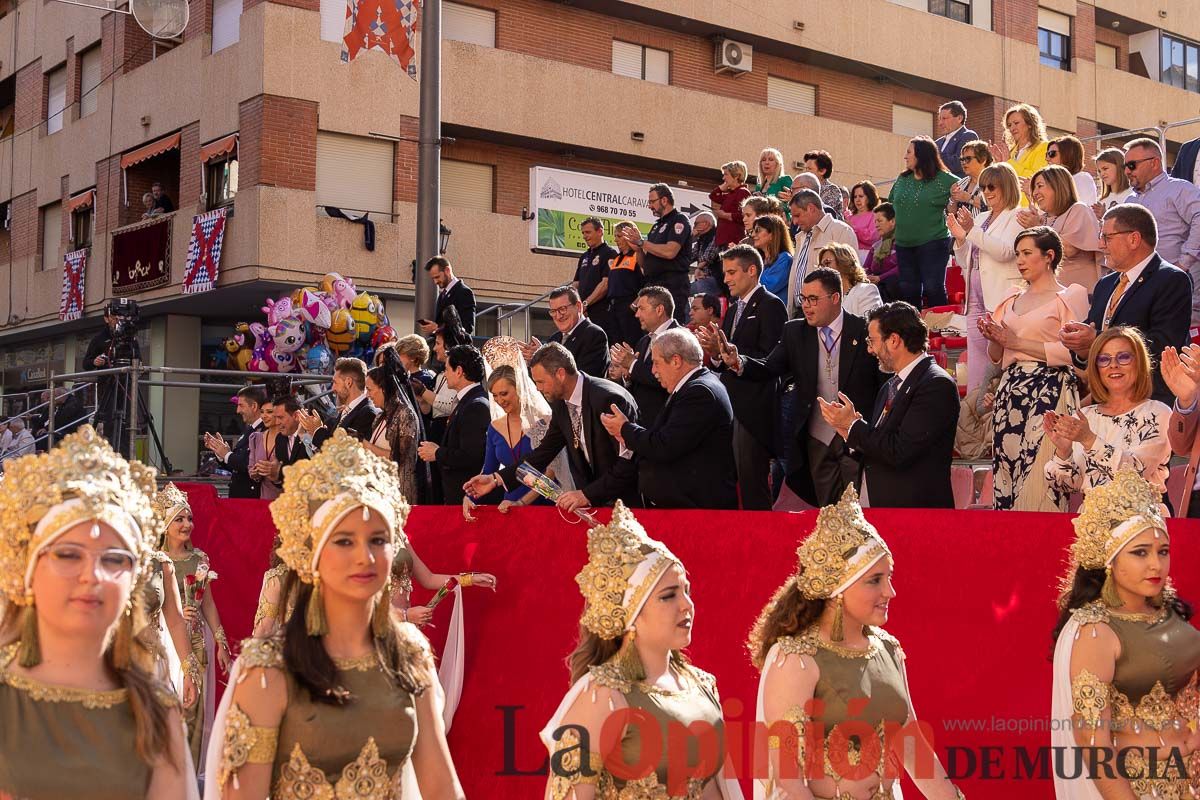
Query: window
{"points": [[51, 223], [81, 228], [908, 121], [957, 10], [226, 23], [56, 103], [467, 185], [89, 81], [799, 98], [221, 182], [1054, 39], [1106, 55], [354, 173], [638, 61], [1180, 62], [468, 24], [333, 20]]}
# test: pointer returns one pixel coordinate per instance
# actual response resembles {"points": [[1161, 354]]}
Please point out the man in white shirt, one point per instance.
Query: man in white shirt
{"points": [[356, 412], [817, 229], [242, 484]]}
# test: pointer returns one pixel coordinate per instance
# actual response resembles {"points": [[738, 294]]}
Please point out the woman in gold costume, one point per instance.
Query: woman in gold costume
{"points": [[1126, 659], [82, 713], [193, 579], [822, 650], [637, 619], [343, 700]]}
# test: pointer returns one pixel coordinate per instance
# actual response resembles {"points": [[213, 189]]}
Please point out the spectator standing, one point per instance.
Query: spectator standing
{"points": [[967, 193], [634, 367], [919, 196], [70, 414], [262, 449], [727, 202], [859, 296], [816, 227], [289, 444], [237, 458], [1022, 335], [508, 437], [1025, 144], [772, 181], [162, 203], [438, 401], [356, 412], [461, 452], [771, 240], [1123, 428], [1175, 205], [624, 281], [1114, 183], [705, 254], [452, 293], [592, 273], [1067, 152], [984, 245], [1187, 165], [705, 308], [663, 253], [881, 265], [952, 125], [753, 208], [1055, 204], [397, 429], [585, 340], [820, 163], [1144, 292], [907, 443], [863, 199], [685, 456]]}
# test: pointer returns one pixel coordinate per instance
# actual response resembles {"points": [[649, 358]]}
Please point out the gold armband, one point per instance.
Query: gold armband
{"points": [[1089, 698], [244, 744], [570, 771], [465, 579]]}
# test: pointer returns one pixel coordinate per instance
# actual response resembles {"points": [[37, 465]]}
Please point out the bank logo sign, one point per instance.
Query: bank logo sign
{"points": [[562, 199]]}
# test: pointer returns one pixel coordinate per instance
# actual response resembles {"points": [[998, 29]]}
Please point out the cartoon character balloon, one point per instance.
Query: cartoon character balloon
{"points": [[341, 333], [366, 318], [319, 359], [339, 289]]}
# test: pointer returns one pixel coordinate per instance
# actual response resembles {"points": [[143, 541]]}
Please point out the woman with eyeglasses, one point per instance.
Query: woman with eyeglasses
{"points": [[1038, 375], [1124, 427], [1067, 152], [967, 193], [82, 713], [1056, 204]]}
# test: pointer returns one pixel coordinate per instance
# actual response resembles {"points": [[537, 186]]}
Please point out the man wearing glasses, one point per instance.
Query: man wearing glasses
{"points": [[585, 340], [1175, 205], [1144, 291]]}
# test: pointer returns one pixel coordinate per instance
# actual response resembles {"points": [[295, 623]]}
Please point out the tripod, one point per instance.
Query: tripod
{"points": [[124, 402]]}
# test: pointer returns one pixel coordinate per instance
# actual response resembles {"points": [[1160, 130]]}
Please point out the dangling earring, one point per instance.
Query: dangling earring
{"points": [[381, 618], [122, 647], [314, 616], [627, 659], [837, 634], [1108, 592], [30, 648]]}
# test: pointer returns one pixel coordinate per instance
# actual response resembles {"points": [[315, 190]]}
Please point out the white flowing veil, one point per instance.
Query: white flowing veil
{"points": [[1061, 710]]}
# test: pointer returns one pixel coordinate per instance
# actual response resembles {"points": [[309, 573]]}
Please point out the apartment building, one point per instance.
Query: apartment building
{"points": [[253, 109]]}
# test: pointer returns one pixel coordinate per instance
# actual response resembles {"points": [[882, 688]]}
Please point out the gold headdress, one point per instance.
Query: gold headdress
{"points": [[318, 494], [502, 351], [623, 566], [44, 495], [169, 503], [1111, 515], [841, 548]]}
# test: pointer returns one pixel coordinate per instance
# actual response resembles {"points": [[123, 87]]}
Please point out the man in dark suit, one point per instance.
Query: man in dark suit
{"points": [[585, 340], [451, 292], [907, 443], [1143, 291], [290, 446], [250, 400], [1185, 161], [825, 354], [603, 470], [655, 313], [753, 324], [952, 124], [356, 412], [685, 459], [461, 453]]}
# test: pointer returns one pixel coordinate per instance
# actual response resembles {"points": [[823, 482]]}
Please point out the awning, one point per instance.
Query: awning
{"points": [[218, 148], [150, 150], [82, 200]]}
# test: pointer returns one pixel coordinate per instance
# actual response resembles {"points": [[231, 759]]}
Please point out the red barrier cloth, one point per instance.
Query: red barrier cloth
{"points": [[974, 611]]}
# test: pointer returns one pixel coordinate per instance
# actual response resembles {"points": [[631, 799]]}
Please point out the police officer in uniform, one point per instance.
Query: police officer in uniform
{"points": [[664, 253], [591, 275]]}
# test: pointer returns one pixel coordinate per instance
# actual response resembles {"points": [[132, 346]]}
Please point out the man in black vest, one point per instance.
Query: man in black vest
{"points": [[356, 412], [451, 292], [236, 459]]}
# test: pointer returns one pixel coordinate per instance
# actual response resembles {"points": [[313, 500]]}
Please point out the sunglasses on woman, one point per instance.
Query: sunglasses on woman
{"points": [[1105, 360]]}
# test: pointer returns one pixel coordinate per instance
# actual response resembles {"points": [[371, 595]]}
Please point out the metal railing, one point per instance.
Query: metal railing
{"points": [[506, 312], [1159, 130]]}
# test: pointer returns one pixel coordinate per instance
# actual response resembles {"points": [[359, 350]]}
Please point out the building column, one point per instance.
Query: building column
{"points": [[175, 342]]}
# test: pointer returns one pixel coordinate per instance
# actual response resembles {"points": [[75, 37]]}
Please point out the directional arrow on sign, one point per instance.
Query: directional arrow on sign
{"points": [[689, 209]]}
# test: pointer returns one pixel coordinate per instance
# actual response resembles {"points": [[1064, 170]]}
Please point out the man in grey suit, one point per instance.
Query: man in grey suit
{"points": [[952, 124]]}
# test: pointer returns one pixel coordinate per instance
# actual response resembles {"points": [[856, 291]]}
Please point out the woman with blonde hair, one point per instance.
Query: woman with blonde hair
{"points": [[772, 180], [1123, 427], [1024, 143], [1114, 183], [983, 244], [770, 237], [1056, 204], [1067, 152], [859, 296], [727, 202]]}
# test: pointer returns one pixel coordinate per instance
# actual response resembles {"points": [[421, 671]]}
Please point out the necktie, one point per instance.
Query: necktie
{"points": [[737, 316], [1113, 301], [799, 269], [827, 335], [893, 386], [576, 424]]}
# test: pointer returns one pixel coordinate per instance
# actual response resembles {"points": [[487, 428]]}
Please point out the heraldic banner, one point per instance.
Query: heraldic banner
{"points": [[70, 305], [388, 26], [204, 251], [141, 255]]}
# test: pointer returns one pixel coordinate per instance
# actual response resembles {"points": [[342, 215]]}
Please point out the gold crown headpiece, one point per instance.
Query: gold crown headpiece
{"points": [[1111, 515], [81, 479], [502, 351], [318, 494], [842, 546], [169, 503], [623, 566]]}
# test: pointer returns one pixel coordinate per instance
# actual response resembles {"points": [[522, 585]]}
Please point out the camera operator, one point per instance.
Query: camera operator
{"points": [[114, 346]]}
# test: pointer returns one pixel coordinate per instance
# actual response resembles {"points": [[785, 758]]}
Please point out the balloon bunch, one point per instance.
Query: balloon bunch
{"points": [[308, 329]]}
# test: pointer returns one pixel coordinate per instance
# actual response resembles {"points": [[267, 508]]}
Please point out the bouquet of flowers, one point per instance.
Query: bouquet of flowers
{"points": [[548, 488], [196, 584]]}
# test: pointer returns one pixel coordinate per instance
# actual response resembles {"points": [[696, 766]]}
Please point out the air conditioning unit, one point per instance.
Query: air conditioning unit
{"points": [[736, 57]]}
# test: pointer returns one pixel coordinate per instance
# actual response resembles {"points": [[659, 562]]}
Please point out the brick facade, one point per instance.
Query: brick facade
{"points": [[24, 233], [278, 143], [1115, 39]]}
